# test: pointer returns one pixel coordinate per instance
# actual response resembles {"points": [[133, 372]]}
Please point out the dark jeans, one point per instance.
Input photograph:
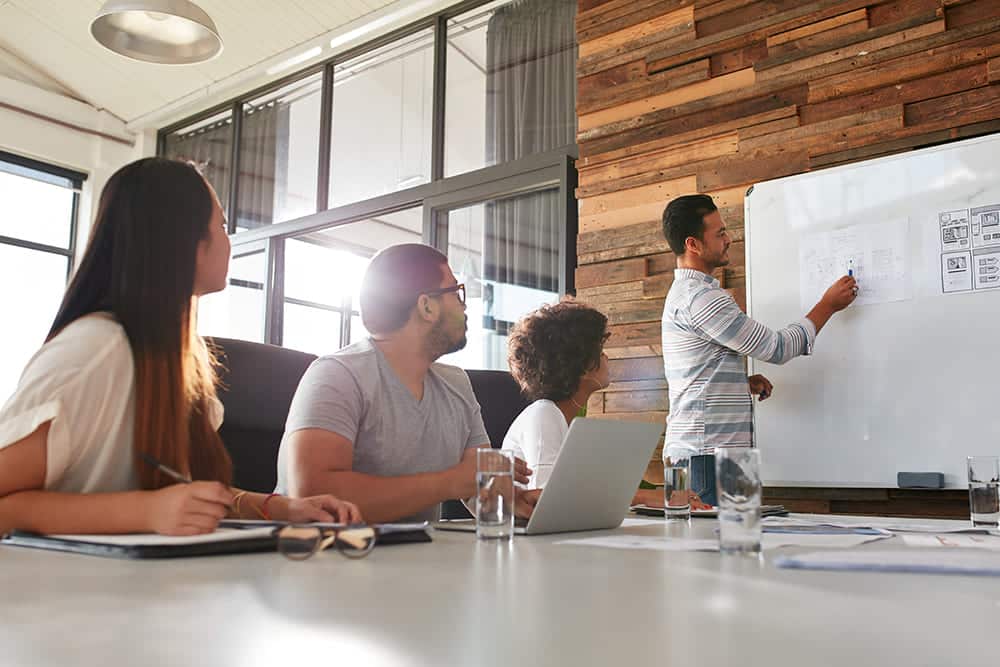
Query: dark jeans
{"points": [[703, 477]]}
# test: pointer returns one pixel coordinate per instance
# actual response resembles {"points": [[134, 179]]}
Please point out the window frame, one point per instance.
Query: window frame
{"points": [[541, 171], [76, 180]]}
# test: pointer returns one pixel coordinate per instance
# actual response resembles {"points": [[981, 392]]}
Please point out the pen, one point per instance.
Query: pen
{"points": [[166, 470], [850, 267]]}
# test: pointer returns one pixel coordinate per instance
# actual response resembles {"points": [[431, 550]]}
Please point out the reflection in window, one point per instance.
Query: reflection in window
{"points": [[511, 83], [323, 272], [279, 158], [209, 144], [382, 103], [507, 253], [238, 310]]}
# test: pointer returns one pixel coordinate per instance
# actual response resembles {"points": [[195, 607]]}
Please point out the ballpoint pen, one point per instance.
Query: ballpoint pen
{"points": [[166, 470]]}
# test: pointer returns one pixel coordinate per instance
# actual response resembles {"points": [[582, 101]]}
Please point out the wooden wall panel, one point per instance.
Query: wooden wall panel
{"points": [[684, 96]]}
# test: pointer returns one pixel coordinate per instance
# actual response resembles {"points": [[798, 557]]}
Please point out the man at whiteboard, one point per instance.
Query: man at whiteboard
{"points": [[706, 337]]}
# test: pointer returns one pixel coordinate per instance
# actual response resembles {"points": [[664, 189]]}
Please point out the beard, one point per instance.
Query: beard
{"points": [[440, 342], [722, 259]]}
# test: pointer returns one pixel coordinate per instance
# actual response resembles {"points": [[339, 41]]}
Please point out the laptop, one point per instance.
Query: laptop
{"points": [[593, 480]]}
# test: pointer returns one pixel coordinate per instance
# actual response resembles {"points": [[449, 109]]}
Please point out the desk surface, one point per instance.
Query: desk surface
{"points": [[460, 602]]}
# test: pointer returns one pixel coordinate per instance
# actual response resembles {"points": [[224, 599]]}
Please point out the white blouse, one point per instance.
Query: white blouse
{"points": [[537, 436], [83, 381]]}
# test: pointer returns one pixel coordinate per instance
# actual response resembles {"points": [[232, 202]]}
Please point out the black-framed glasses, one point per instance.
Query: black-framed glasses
{"points": [[302, 542], [458, 289]]}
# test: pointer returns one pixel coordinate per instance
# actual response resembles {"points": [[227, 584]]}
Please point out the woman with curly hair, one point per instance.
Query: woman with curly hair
{"points": [[556, 354]]}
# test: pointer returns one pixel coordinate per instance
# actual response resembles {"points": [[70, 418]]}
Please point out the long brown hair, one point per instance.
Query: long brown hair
{"points": [[140, 266]]}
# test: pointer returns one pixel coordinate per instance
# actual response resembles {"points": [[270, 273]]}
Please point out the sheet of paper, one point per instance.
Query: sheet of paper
{"points": [[969, 248], [942, 561], [634, 522], [649, 542], [960, 541], [148, 539], [768, 541], [885, 523], [875, 253]]}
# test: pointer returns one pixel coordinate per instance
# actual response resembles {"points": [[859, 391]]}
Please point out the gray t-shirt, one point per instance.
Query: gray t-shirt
{"points": [[356, 393]]}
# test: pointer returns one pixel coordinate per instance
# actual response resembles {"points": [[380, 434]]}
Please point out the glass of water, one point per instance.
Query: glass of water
{"points": [[737, 477], [495, 494], [984, 490], [677, 487]]}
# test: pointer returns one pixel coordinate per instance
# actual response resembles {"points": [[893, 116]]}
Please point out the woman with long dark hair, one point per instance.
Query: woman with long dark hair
{"points": [[123, 379]]}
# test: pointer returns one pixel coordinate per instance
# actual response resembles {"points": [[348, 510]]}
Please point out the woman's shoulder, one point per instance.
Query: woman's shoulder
{"points": [[539, 412], [96, 340]]}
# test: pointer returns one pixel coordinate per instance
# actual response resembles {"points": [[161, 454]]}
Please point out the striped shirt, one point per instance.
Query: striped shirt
{"points": [[705, 337]]}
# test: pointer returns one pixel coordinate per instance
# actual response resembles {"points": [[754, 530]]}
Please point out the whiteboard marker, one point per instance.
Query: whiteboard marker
{"points": [[850, 267]]}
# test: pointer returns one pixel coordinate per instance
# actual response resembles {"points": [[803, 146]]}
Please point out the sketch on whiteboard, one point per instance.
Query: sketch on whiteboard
{"points": [[876, 254], [964, 269], [986, 226], [987, 269], [955, 273], [954, 230]]}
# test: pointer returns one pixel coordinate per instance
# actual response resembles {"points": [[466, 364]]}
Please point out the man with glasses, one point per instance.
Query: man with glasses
{"points": [[380, 423]]}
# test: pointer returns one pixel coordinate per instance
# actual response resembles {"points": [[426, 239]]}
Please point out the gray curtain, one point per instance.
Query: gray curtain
{"points": [[211, 149], [263, 154], [530, 108]]}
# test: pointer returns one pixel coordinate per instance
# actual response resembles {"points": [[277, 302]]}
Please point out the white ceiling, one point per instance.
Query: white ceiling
{"points": [[53, 38]]}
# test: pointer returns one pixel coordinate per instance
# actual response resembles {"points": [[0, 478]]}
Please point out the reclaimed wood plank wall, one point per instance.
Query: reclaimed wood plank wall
{"points": [[683, 96]]}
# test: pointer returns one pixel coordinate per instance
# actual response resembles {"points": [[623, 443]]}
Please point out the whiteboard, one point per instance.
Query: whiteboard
{"points": [[908, 377]]}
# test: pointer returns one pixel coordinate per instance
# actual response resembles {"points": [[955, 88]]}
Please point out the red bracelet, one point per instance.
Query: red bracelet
{"points": [[263, 505]]}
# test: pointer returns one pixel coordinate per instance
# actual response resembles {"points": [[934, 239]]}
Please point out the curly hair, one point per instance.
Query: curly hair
{"points": [[551, 349]]}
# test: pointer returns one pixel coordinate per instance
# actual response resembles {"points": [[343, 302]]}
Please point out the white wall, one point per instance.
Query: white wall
{"points": [[49, 141]]}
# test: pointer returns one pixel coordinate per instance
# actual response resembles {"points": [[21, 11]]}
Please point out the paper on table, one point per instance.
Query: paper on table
{"points": [[891, 524], [634, 522], [768, 541], [153, 540], [945, 561], [648, 542], [953, 540]]}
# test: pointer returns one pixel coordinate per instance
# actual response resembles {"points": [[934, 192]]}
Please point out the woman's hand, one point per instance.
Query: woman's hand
{"points": [[187, 509], [326, 509]]}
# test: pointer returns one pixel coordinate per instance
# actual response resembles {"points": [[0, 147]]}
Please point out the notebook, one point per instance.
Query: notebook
{"points": [[232, 538]]}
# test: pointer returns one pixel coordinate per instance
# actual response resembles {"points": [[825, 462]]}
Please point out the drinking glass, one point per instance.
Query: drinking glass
{"points": [[677, 487], [495, 495], [984, 490], [737, 476]]}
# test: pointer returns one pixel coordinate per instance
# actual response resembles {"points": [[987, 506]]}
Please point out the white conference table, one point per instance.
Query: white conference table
{"points": [[460, 602]]}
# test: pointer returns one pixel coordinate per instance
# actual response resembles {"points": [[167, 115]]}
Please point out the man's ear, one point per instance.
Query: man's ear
{"points": [[425, 308], [692, 245]]}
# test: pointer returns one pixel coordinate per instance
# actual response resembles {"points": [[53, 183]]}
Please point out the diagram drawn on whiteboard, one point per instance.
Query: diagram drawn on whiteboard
{"points": [[970, 249]]}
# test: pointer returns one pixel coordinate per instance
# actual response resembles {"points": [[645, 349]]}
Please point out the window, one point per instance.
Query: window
{"points": [[458, 131], [382, 120], [38, 210], [279, 159], [323, 272], [511, 88], [209, 144], [506, 252], [238, 310]]}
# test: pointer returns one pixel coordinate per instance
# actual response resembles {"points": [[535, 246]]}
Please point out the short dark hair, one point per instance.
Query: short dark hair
{"points": [[394, 280], [550, 349], [684, 217]]}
